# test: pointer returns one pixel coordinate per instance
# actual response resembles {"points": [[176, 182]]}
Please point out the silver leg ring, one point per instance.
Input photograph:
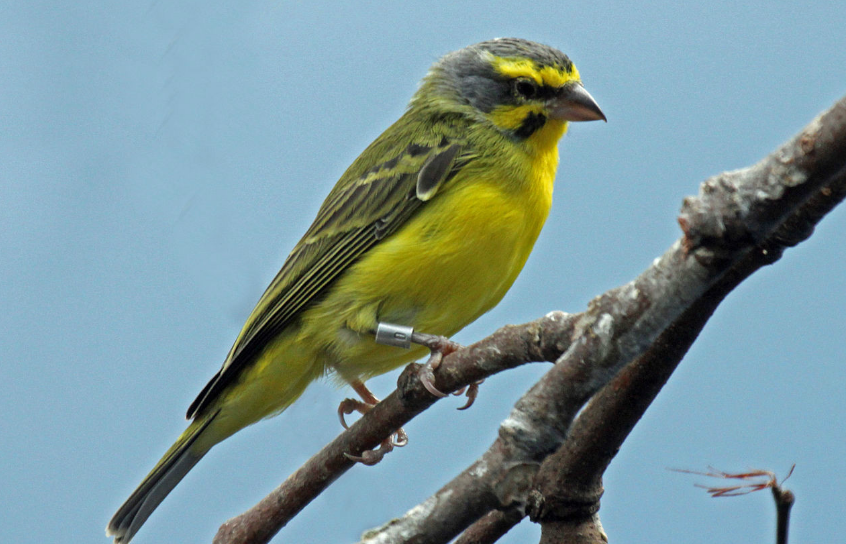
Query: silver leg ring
{"points": [[394, 335]]}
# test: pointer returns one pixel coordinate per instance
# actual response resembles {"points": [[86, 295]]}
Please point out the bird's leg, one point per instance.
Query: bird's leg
{"points": [[439, 346], [348, 406]]}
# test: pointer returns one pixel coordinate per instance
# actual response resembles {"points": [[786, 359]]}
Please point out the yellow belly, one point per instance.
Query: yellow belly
{"points": [[453, 262]]}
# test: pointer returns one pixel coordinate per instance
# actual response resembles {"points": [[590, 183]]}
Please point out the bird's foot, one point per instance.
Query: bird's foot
{"points": [[371, 457], [440, 346], [348, 406], [369, 400]]}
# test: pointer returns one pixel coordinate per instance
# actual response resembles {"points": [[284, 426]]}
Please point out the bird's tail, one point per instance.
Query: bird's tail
{"points": [[168, 472]]}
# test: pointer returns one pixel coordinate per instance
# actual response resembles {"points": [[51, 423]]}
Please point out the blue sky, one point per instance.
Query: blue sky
{"points": [[158, 160]]}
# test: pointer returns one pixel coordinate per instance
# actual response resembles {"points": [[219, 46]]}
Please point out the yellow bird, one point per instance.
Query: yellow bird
{"points": [[428, 228]]}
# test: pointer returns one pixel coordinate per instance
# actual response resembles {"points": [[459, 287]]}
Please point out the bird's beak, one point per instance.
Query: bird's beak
{"points": [[574, 103]]}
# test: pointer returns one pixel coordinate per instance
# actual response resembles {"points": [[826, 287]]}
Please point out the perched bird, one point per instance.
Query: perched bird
{"points": [[428, 228]]}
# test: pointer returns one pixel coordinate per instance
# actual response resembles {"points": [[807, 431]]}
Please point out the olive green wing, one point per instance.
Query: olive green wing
{"points": [[360, 211]]}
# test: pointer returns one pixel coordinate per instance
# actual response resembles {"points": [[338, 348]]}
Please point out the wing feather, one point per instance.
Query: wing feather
{"points": [[353, 218]]}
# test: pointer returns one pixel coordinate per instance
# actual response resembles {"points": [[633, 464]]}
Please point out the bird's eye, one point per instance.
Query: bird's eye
{"points": [[525, 88]]}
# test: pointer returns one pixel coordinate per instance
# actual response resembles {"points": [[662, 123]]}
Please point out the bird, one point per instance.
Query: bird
{"points": [[427, 229]]}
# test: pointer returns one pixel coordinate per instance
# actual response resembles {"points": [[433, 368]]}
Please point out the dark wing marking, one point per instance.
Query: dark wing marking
{"points": [[434, 172], [353, 219]]}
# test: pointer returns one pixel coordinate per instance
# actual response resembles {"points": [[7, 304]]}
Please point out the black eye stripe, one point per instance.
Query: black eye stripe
{"points": [[539, 92]]}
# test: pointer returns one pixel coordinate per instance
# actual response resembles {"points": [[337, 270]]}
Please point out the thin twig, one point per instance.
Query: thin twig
{"points": [[784, 499], [750, 482]]}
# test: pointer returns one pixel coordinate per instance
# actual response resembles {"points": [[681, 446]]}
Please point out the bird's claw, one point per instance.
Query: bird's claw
{"points": [[348, 406], [427, 374], [440, 346], [472, 393], [369, 457], [399, 439]]}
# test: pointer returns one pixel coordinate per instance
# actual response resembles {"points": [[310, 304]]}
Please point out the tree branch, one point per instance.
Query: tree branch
{"points": [[571, 479], [513, 345], [491, 527], [740, 221]]}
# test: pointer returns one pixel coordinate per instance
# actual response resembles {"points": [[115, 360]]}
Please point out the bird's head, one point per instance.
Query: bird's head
{"points": [[516, 85]]}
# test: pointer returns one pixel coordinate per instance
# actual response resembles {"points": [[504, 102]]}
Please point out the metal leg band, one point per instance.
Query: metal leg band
{"points": [[394, 335]]}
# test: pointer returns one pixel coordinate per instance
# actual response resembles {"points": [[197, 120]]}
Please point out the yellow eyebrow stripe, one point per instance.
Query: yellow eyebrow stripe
{"points": [[547, 75]]}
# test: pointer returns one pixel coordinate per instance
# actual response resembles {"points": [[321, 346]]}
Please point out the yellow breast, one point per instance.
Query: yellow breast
{"points": [[451, 263]]}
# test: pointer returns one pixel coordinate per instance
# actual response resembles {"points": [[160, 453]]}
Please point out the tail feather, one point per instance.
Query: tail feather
{"points": [[169, 471]]}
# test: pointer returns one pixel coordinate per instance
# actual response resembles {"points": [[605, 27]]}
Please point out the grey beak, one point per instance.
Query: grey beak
{"points": [[575, 104]]}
